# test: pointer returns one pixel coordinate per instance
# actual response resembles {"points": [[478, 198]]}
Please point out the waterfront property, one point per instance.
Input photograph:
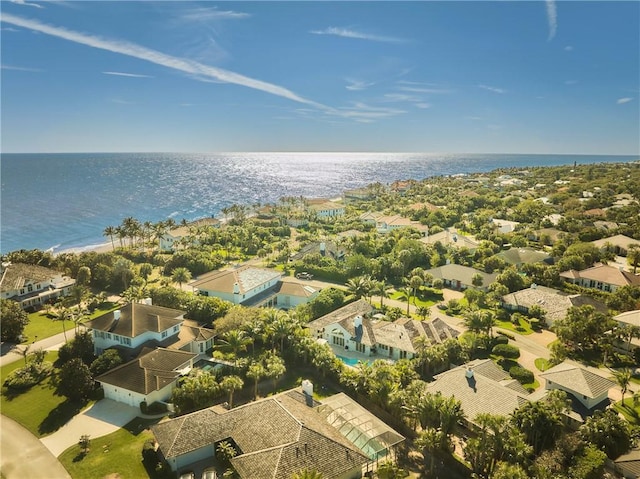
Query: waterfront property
{"points": [[351, 329], [185, 235], [281, 435], [31, 286], [149, 378]]}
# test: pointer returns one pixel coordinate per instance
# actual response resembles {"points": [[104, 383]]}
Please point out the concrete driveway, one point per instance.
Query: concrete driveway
{"points": [[104, 417]]}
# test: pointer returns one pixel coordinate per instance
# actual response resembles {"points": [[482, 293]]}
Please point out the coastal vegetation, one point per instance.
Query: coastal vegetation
{"points": [[557, 211]]}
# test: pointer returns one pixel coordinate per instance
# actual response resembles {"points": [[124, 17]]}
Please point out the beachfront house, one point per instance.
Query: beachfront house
{"points": [[327, 210], [279, 436], [149, 378], [32, 286], [351, 328], [183, 235], [457, 276], [601, 276]]}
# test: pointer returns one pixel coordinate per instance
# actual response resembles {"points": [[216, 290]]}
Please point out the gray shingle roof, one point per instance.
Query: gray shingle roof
{"points": [[350, 311], [277, 436], [578, 379], [464, 274], [481, 394]]}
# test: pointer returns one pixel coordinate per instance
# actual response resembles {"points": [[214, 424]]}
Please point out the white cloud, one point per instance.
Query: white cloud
{"points": [[552, 19], [492, 88], [346, 33], [364, 113], [181, 64], [27, 4], [402, 97], [433, 91], [206, 14], [356, 85], [20, 69], [132, 75], [622, 101], [423, 105], [568, 48]]}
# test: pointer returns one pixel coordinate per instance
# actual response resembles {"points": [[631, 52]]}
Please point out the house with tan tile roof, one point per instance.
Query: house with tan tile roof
{"points": [[630, 319], [555, 303], [281, 435], [169, 241], [520, 256], [602, 277], [589, 388], [386, 224], [150, 377], [457, 276], [31, 286], [351, 328], [619, 244], [327, 210]]}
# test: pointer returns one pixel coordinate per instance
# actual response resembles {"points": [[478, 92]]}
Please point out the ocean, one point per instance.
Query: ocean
{"points": [[64, 201]]}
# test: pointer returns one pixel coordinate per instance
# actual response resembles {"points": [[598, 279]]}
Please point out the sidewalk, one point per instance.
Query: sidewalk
{"points": [[11, 353]]}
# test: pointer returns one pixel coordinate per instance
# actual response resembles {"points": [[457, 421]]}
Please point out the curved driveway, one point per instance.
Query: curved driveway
{"points": [[23, 455]]}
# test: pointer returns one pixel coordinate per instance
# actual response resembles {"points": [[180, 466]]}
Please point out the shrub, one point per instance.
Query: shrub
{"points": [[24, 378], [506, 335], [506, 351], [500, 339], [522, 375]]}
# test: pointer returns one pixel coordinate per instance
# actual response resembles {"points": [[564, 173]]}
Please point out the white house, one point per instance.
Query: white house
{"points": [[150, 377], [505, 226], [328, 210], [589, 388], [351, 329], [170, 240], [244, 285], [31, 285], [387, 224], [134, 325], [461, 277]]}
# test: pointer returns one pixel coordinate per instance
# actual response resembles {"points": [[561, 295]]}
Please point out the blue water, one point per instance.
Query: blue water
{"points": [[66, 200], [352, 361]]}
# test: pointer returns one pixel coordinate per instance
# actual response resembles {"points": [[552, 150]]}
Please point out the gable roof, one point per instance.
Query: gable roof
{"points": [[292, 287], [603, 273], [631, 318], [136, 319], [488, 391], [578, 379], [247, 278], [350, 311], [277, 436], [150, 372]]}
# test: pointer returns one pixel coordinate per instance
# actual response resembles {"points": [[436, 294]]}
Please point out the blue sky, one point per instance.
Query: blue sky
{"points": [[474, 77]]}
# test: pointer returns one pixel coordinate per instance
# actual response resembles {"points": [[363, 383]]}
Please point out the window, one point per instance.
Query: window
{"points": [[384, 347], [360, 347], [30, 288], [338, 340], [403, 355], [164, 334], [175, 328], [108, 335], [127, 341]]}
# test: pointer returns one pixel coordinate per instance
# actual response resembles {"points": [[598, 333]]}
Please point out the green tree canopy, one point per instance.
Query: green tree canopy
{"points": [[13, 320]]}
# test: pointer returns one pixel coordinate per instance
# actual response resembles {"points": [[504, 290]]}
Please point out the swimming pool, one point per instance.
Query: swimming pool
{"points": [[208, 366], [352, 361]]}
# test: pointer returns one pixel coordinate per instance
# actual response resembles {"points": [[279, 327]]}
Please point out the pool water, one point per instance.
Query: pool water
{"points": [[207, 366], [352, 361]]}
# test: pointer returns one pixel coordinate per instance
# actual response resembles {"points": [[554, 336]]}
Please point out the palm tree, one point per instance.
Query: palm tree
{"points": [[477, 280], [64, 314], [230, 384], [180, 275], [423, 311], [275, 368], [234, 342], [633, 256], [359, 286], [256, 371], [405, 293], [430, 440], [134, 294], [415, 283], [622, 379], [110, 231], [381, 289]]}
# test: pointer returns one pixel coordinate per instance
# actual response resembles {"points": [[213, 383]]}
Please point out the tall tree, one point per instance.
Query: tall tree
{"points": [[622, 379], [13, 320], [180, 275], [110, 231], [230, 384]]}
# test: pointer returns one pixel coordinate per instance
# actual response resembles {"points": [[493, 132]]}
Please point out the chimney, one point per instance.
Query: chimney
{"points": [[307, 387], [469, 373], [236, 288], [148, 301], [357, 321], [116, 314]]}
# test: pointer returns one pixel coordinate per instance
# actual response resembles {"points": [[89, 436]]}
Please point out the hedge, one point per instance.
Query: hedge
{"points": [[522, 375], [506, 351]]}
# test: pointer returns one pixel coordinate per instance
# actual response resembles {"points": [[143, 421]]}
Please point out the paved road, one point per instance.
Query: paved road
{"points": [[23, 456], [12, 353]]}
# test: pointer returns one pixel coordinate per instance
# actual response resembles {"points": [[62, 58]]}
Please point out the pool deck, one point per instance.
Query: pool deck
{"points": [[356, 356]]}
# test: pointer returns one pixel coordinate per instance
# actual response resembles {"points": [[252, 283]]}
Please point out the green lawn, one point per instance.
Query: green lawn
{"points": [[42, 326], [117, 453], [631, 413], [523, 327], [542, 364], [37, 409], [415, 301]]}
